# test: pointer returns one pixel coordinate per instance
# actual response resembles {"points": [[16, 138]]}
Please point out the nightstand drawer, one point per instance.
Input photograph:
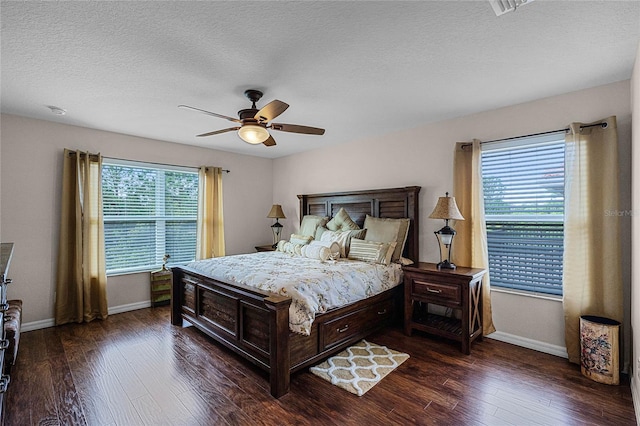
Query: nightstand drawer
{"points": [[442, 292]]}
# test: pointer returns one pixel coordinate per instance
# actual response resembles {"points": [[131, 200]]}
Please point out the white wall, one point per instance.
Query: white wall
{"points": [[31, 184], [635, 248], [424, 156], [29, 212], [1, 240]]}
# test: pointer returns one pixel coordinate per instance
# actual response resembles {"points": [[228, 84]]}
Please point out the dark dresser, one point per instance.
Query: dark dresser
{"points": [[6, 251]]}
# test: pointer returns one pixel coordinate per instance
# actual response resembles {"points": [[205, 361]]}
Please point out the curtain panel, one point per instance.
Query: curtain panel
{"points": [[471, 242], [592, 277], [81, 281], [210, 235]]}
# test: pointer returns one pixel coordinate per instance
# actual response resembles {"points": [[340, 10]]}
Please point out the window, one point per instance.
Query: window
{"points": [[148, 212], [523, 182]]}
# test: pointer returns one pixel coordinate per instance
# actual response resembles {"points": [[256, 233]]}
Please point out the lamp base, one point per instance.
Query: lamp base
{"points": [[445, 264]]}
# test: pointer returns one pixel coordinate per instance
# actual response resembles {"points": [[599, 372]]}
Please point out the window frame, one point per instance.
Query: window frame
{"points": [[492, 221], [160, 218]]}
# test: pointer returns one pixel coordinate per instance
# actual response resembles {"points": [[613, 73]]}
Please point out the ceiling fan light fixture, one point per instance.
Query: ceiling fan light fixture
{"points": [[253, 134]]}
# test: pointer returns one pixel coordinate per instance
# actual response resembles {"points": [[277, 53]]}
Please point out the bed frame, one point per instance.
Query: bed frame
{"points": [[255, 324]]}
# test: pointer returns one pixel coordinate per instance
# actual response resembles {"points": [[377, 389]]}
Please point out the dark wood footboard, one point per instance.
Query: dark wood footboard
{"points": [[255, 324]]}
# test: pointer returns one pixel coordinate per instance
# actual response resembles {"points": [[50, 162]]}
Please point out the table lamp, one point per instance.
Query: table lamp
{"points": [[276, 213], [446, 209]]}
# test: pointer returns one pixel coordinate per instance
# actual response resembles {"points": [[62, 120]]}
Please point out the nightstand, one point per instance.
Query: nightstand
{"points": [[265, 248], [161, 287], [459, 289]]}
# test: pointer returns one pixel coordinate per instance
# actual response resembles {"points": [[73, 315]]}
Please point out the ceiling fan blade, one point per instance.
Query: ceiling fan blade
{"points": [[270, 142], [271, 110], [217, 132], [210, 113], [294, 128]]}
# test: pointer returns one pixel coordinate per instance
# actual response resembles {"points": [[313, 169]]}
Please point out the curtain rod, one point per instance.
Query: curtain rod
{"points": [[604, 125], [159, 164], [146, 162]]}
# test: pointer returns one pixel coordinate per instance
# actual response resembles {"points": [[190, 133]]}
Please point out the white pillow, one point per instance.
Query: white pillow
{"points": [[334, 248], [343, 238], [321, 253], [289, 247], [300, 239], [372, 251]]}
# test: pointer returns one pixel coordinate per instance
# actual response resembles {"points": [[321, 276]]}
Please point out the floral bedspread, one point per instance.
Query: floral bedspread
{"points": [[314, 287]]}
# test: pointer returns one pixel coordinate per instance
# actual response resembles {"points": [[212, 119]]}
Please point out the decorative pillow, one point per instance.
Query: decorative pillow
{"points": [[342, 222], [386, 230], [359, 235], [372, 251], [310, 223], [343, 238], [334, 248], [287, 247], [319, 233], [300, 239], [320, 253]]}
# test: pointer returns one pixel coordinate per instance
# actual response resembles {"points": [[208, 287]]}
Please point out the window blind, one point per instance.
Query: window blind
{"points": [[148, 212], [523, 183]]}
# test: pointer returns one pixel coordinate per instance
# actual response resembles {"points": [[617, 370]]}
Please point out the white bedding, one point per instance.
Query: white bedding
{"points": [[313, 286]]}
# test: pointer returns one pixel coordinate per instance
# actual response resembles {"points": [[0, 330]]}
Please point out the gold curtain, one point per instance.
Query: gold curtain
{"points": [[592, 279], [81, 284], [470, 243], [210, 236]]}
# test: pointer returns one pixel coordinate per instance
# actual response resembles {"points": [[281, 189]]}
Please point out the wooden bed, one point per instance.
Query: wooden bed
{"points": [[255, 324]]}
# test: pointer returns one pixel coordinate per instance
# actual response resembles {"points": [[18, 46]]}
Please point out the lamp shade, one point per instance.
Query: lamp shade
{"points": [[276, 212], [446, 209], [253, 133]]}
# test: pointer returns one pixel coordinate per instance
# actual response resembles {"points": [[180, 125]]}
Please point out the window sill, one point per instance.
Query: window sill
{"points": [[527, 294], [142, 270], [137, 271]]}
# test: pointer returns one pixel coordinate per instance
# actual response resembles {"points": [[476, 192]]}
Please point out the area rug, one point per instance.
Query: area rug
{"points": [[359, 367]]}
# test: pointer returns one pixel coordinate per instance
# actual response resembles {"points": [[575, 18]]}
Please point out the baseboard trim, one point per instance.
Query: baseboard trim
{"points": [[635, 397], [37, 325], [46, 323], [129, 307], [525, 342]]}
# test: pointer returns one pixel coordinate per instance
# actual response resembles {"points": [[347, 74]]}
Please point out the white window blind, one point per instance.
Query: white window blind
{"points": [[523, 182], [148, 212]]}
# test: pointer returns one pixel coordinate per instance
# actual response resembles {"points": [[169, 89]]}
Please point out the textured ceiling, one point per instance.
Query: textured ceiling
{"points": [[355, 68]]}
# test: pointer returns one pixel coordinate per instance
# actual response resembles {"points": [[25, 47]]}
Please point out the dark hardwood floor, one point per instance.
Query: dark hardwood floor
{"points": [[136, 369]]}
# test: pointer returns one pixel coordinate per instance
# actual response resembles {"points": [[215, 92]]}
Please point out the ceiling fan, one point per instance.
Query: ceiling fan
{"points": [[254, 123]]}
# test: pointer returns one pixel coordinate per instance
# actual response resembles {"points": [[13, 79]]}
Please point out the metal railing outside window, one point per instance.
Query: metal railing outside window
{"points": [[523, 183]]}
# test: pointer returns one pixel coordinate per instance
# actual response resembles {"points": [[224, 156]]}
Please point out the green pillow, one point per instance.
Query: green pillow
{"points": [[342, 222], [310, 223], [386, 230]]}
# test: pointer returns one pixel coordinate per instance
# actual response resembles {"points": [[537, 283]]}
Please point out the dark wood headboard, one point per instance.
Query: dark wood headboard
{"points": [[393, 203]]}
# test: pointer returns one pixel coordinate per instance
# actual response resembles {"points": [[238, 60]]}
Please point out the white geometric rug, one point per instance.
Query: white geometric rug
{"points": [[359, 367]]}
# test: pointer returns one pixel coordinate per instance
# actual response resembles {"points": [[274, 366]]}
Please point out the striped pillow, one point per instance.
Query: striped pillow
{"points": [[371, 251]]}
